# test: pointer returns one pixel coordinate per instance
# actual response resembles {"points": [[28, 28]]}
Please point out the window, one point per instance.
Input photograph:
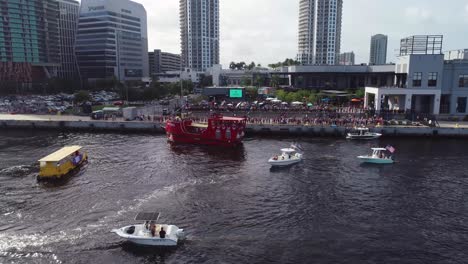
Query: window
{"points": [[417, 79], [463, 80], [461, 105], [432, 82]]}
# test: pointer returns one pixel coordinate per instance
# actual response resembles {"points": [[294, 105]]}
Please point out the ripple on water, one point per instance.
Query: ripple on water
{"points": [[234, 208]]}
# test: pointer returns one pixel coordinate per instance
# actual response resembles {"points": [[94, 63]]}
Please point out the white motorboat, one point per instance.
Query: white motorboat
{"points": [[363, 133], [141, 234], [288, 157], [379, 156]]}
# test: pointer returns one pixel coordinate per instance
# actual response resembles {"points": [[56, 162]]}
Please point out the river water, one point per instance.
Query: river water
{"points": [[234, 208]]}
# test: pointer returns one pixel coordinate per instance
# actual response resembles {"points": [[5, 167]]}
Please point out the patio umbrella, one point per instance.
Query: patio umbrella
{"points": [[310, 105]]}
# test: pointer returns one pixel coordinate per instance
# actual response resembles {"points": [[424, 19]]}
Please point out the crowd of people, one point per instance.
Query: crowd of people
{"points": [[339, 118]]}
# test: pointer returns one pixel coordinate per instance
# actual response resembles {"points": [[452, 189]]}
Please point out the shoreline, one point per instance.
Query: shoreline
{"points": [[76, 123]]}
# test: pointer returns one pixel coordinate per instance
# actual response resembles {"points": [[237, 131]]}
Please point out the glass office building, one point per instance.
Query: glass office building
{"points": [[112, 40], [29, 40], [68, 22]]}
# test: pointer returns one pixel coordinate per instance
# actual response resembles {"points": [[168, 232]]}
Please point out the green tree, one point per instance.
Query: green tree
{"points": [[82, 96], [360, 93], [232, 65], [290, 97], [251, 66], [251, 93], [312, 98], [241, 65], [281, 95]]}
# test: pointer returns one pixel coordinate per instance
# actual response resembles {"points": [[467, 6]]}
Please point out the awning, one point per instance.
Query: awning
{"points": [[147, 216]]}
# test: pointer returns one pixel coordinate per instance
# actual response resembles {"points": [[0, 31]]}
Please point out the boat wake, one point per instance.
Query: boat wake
{"points": [[138, 204], [32, 257], [23, 242], [18, 171]]}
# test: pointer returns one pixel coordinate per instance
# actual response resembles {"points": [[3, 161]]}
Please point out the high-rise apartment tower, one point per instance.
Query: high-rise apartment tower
{"points": [[319, 31], [378, 50], [199, 22]]}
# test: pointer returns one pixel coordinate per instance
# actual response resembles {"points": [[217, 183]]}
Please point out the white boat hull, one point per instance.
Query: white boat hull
{"points": [[283, 163], [142, 236], [368, 159], [366, 136]]}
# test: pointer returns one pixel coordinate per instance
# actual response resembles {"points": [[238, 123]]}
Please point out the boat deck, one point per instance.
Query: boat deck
{"points": [[141, 231]]}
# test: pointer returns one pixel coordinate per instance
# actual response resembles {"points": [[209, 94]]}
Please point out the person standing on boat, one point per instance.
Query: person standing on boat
{"points": [[153, 229], [162, 233]]}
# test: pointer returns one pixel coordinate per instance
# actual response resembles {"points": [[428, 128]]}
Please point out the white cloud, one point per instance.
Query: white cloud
{"points": [[265, 31], [418, 14]]}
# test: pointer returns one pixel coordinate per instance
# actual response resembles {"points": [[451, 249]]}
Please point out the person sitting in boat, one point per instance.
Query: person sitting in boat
{"points": [[275, 158], [162, 233], [76, 158]]}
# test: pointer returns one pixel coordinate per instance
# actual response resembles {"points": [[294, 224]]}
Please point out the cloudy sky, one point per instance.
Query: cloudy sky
{"points": [[265, 31]]}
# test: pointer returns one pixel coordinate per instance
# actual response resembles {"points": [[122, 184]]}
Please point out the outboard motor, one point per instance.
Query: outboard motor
{"points": [[131, 230], [180, 234]]}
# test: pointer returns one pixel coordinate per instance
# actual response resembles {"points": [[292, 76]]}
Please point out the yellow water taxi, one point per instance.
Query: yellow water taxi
{"points": [[61, 162]]}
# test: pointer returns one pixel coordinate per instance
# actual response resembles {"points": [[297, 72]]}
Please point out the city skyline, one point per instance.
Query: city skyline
{"points": [[277, 25]]}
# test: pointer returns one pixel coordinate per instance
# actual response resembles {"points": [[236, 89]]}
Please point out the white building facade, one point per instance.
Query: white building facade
{"points": [[112, 40], [319, 31], [425, 82], [199, 22]]}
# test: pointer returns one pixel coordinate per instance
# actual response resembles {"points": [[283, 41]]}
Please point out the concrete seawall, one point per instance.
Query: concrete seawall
{"points": [[272, 130]]}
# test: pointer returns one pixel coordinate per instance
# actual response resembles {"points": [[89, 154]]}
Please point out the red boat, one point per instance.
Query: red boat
{"points": [[220, 131]]}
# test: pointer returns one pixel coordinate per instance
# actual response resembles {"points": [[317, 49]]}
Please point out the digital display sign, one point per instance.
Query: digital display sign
{"points": [[235, 93]]}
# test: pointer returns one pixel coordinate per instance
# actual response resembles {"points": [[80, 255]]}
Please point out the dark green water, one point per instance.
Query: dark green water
{"points": [[329, 209]]}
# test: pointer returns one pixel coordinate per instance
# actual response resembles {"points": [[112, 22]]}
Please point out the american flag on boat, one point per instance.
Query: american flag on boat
{"points": [[391, 149]]}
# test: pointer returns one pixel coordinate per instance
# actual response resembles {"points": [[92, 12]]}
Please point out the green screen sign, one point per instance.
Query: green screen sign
{"points": [[235, 93]]}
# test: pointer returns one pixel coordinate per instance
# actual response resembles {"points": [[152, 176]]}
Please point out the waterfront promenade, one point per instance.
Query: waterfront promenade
{"points": [[155, 125]]}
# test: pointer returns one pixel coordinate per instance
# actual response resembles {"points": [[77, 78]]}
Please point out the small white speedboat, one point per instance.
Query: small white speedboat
{"points": [[141, 234], [289, 157], [363, 133], [378, 157]]}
